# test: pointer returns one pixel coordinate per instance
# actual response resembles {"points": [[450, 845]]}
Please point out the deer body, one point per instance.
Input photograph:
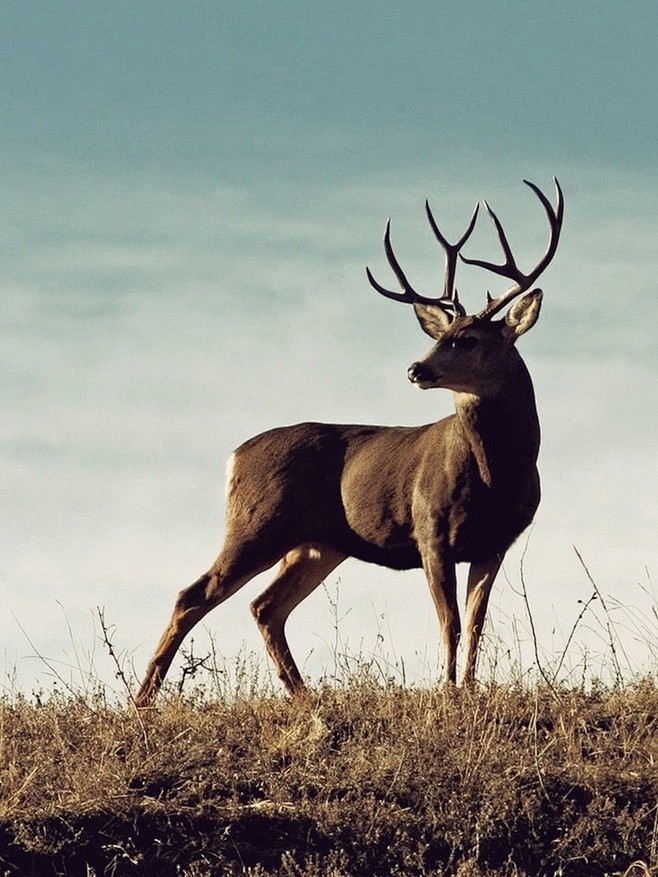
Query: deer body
{"points": [[390, 484], [459, 490]]}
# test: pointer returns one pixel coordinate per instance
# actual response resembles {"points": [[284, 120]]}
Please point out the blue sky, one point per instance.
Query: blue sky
{"points": [[189, 194]]}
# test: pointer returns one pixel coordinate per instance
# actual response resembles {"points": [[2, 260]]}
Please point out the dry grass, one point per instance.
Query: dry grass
{"points": [[360, 779], [544, 773]]}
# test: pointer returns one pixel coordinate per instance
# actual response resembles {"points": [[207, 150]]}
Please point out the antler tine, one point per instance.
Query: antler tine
{"points": [[452, 253], [509, 268], [409, 294]]}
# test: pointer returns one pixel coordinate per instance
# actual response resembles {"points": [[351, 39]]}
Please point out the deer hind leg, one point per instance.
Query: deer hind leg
{"points": [[481, 577], [229, 573], [301, 571]]}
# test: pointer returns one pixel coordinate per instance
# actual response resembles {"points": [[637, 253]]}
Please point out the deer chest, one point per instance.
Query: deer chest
{"points": [[487, 521]]}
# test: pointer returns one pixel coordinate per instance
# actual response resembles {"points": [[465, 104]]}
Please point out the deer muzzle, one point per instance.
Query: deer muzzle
{"points": [[419, 373]]}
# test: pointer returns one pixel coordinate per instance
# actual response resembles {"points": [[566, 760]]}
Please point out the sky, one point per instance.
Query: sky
{"points": [[189, 194]]}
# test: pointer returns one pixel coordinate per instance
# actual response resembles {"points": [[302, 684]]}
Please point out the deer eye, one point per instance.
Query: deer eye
{"points": [[464, 342]]}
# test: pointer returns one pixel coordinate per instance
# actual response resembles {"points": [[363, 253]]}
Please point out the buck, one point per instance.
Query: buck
{"points": [[459, 490]]}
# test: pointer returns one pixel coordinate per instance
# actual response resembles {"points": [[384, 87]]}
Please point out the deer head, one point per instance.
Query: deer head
{"points": [[471, 353]]}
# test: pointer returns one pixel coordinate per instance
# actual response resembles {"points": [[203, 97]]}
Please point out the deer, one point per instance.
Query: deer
{"points": [[460, 490]]}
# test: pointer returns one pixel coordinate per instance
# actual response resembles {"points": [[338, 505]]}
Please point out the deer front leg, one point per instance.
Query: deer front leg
{"points": [[442, 581], [481, 577]]}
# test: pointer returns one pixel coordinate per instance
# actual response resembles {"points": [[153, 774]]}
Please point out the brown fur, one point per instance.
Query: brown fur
{"points": [[460, 490]]}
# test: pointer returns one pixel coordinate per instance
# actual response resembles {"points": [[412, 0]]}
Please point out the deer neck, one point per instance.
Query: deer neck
{"points": [[501, 428]]}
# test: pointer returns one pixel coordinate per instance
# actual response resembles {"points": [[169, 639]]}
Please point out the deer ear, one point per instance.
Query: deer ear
{"points": [[433, 319], [522, 315]]}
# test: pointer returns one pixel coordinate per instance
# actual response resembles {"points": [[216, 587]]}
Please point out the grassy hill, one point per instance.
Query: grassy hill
{"points": [[361, 778]]}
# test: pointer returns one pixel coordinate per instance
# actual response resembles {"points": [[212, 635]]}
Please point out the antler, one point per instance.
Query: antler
{"points": [[509, 268], [449, 301]]}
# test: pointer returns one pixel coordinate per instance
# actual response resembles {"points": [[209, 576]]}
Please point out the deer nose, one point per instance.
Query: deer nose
{"points": [[418, 372]]}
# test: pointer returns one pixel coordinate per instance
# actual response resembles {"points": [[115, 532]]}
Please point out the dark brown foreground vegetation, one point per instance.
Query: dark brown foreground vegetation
{"points": [[355, 780]]}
